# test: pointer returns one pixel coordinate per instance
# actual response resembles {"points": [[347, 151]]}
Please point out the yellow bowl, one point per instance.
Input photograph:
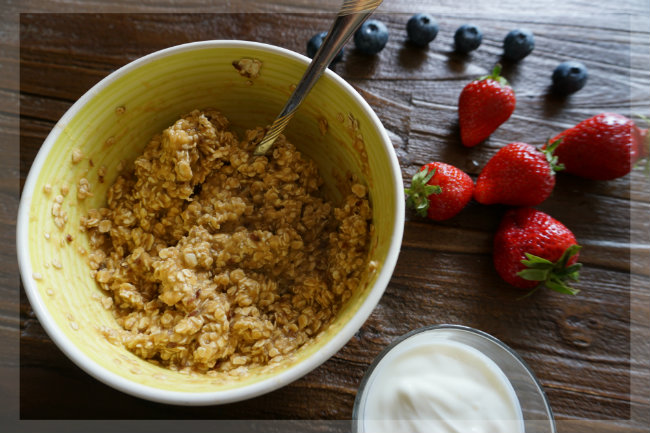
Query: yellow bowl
{"points": [[113, 122]]}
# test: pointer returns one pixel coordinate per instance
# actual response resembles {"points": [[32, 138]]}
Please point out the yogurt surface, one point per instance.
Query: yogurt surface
{"points": [[434, 385]]}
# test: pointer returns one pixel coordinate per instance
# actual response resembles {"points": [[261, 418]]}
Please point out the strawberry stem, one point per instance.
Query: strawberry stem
{"points": [[550, 157], [496, 76], [552, 275], [496, 71], [417, 196], [529, 294]]}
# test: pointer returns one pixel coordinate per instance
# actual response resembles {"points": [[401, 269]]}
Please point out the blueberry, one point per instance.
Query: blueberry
{"points": [[421, 29], [371, 37], [569, 77], [467, 38], [518, 44], [314, 44]]}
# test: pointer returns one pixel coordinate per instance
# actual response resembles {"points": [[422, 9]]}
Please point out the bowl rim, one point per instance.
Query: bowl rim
{"points": [[288, 375], [356, 419]]}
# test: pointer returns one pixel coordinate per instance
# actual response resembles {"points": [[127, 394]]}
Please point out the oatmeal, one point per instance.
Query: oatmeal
{"points": [[249, 68], [215, 260]]}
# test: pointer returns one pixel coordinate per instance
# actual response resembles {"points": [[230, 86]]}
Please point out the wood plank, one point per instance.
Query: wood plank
{"points": [[589, 352]]}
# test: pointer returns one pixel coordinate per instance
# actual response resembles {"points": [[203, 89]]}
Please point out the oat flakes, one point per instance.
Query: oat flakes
{"points": [[218, 261]]}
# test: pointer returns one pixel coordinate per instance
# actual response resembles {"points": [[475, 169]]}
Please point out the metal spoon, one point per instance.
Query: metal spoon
{"points": [[351, 15]]}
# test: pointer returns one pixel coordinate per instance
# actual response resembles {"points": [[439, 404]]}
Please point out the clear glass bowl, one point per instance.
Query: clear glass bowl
{"points": [[536, 411]]}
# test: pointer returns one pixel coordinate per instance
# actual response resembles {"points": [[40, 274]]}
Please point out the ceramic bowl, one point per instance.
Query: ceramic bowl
{"points": [[111, 124]]}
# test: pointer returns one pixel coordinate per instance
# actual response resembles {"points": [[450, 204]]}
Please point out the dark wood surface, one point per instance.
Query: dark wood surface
{"points": [[589, 351]]}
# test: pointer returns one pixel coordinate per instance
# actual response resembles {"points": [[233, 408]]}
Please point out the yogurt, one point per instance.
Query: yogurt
{"points": [[436, 385]]}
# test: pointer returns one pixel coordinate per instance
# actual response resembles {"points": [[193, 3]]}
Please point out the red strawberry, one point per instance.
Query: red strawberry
{"points": [[483, 105], [517, 175], [603, 147], [532, 249], [439, 191]]}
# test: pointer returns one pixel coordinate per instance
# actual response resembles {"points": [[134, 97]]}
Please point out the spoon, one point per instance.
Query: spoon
{"points": [[351, 15]]}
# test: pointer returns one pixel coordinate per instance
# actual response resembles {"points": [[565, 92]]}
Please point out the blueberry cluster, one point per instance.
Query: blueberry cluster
{"points": [[422, 29]]}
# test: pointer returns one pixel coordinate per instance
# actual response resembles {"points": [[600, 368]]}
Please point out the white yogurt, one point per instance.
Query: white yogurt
{"points": [[433, 385]]}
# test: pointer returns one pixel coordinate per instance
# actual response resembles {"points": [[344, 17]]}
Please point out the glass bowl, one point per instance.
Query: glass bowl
{"points": [[535, 409]]}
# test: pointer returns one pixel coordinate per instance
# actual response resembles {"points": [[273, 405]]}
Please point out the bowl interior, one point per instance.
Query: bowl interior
{"points": [[110, 126]]}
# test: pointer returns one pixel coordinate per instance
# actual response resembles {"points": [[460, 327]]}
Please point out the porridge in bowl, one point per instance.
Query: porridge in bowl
{"points": [[217, 261]]}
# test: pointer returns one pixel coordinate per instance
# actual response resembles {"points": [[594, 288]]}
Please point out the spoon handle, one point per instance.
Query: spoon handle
{"points": [[351, 15]]}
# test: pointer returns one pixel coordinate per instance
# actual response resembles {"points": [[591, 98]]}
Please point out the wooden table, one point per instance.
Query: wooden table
{"points": [[590, 352]]}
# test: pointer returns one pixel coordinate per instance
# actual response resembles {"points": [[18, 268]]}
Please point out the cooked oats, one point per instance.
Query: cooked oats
{"points": [[219, 261], [101, 173], [77, 156], [323, 126], [249, 68], [83, 189]]}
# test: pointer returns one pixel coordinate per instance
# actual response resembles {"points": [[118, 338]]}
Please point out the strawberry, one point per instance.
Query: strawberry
{"points": [[483, 105], [532, 249], [518, 175], [603, 147], [439, 191]]}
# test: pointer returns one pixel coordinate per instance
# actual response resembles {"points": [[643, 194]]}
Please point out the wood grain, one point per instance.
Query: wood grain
{"points": [[580, 348]]}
